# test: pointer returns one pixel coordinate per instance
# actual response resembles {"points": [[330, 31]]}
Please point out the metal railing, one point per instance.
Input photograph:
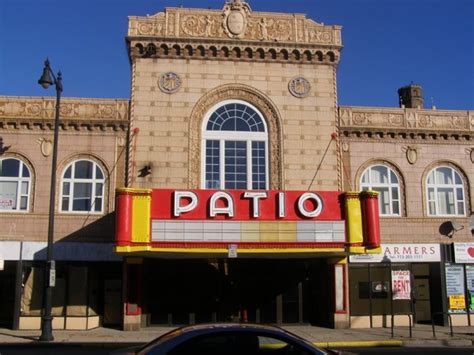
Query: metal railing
{"points": [[410, 322], [450, 322]]}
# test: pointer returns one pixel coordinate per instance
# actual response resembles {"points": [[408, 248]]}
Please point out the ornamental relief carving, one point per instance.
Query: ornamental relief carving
{"points": [[425, 121], [96, 109], [361, 118], [458, 122], [251, 96], [395, 120], [150, 28], [236, 20], [202, 26]]}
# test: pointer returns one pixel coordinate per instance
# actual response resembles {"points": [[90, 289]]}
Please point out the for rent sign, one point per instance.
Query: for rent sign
{"points": [[401, 284]]}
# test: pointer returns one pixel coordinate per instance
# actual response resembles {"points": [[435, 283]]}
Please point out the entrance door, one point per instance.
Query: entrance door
{"points": [[422, 303], [112, 302], [255, 290], [7, 294]]}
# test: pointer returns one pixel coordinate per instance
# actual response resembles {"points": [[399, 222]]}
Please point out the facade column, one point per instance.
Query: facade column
{"points": [[340, 311], [132, 307]]}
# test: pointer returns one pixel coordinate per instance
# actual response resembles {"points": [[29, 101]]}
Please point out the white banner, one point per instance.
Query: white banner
{"points": [[401, 253], [464, 253]]}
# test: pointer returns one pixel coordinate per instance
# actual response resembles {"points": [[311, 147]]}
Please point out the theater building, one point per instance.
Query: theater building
{"points": [[235, 204], [231, 186]]}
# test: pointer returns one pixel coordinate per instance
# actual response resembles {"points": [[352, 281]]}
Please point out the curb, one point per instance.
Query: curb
{"points": [[359, 344]]}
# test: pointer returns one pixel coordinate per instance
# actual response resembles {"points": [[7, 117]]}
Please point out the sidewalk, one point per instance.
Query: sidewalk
{"points": [[421, 336]]}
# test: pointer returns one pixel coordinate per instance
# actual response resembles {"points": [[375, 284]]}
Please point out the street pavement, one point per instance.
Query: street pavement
{"points": [[328, 338]]}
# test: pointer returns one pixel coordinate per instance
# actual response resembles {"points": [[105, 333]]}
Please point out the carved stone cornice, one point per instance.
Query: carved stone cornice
{"points": [[401, 123], [256, 98], [38, 113], [255, 34]]}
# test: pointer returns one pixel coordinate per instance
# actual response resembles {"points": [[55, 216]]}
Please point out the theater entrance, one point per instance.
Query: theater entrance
{"points": [[277, 291]]}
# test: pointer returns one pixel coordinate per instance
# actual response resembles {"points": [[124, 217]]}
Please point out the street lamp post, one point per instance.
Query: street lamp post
{"points": [[48, 78]]}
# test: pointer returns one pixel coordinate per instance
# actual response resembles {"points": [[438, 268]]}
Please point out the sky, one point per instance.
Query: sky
{"points": [[387, 44]]}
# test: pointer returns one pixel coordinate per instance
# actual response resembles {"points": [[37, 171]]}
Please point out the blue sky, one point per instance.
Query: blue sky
{"points": [[387, 44]]}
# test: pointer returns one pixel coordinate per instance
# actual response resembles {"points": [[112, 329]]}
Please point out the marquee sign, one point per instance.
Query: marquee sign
{"points": [[239, 221], [239, 205]]}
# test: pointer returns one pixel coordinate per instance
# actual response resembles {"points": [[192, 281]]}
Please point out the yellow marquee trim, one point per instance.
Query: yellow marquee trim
{"points": [[144, 248]]}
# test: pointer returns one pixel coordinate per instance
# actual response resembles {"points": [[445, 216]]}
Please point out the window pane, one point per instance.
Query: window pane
{"points": [[444, 176], [379, 175], [396, 207], [432, 208], [98, 190], [461, 208], [431, 178], [365, 177], [98, 173], [66, 187], [395, 193], [65, 204], [431, 194], [384, 200], [81, 205], [82, 190], [24, 188], [67, 174], [446, 201], [26, 172], [83, 170], [9, 168], [393, 178], [457, 179], [98, 205], [8, 195], [23, 203]]}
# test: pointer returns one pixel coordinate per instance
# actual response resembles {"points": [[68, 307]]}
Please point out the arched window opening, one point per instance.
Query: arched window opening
{"points": [[15, 185], [383, 179], [445, 192], [82, 187], [235, 147]]}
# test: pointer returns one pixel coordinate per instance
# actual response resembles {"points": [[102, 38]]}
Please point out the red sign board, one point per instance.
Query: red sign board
{"points": [[240, 205]]}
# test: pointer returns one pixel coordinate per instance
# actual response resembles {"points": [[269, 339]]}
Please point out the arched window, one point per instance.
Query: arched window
{"points": [[82, 188], [15, 185], [382, 179], [235, 147], [445, 192]]}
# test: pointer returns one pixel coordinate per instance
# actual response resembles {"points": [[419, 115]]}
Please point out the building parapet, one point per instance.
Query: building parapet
{"points": [[255, 35], [424, 122], [16, 111]]}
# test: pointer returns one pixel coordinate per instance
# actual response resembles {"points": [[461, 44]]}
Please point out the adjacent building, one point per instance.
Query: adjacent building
{"points": [[228, 188]]}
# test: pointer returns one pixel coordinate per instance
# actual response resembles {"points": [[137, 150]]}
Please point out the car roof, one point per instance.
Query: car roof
{"points": [[230, 327]]}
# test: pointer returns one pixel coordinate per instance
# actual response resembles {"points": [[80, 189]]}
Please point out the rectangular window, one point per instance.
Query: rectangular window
{"points": [[8, 195], [82, 197], [259, 170], [212, 164], [446, 201], [235, 165]]}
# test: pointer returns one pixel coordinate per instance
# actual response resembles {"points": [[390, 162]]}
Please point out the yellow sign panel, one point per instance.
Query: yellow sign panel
{"points": [[457, 302]]}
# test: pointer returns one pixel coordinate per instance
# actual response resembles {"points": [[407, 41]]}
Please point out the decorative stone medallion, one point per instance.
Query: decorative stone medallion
{"points": [[299, 87], [235, 18], [411, 154], [169, 82]]}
